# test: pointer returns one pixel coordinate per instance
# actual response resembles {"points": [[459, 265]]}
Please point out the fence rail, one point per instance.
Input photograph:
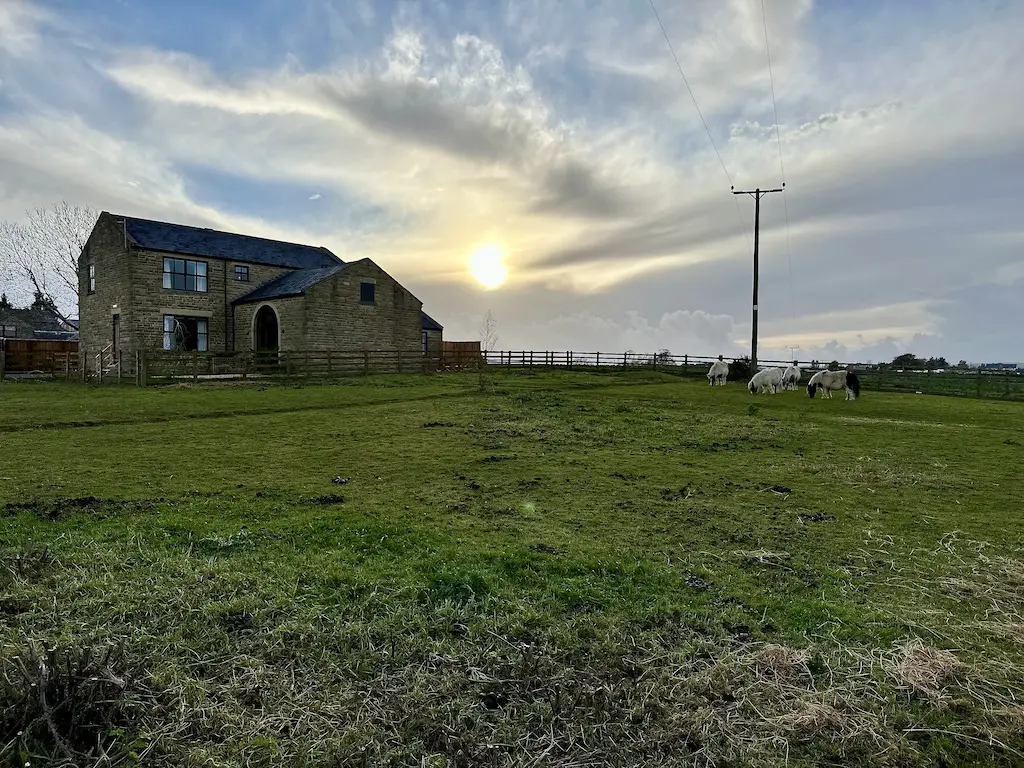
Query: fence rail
{"points": [[64, 359], [969, 382], [155, 366]]}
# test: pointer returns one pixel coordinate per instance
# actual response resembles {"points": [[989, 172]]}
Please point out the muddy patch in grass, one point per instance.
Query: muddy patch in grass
{"points": [[93, 506], [327, 500], [494, 458]]}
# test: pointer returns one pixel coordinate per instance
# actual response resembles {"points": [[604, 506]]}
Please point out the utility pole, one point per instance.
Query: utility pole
{"points": [[757, 194]]}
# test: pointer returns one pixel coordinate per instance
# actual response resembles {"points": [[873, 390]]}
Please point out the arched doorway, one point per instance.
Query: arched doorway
{"points": [[265, 331]]}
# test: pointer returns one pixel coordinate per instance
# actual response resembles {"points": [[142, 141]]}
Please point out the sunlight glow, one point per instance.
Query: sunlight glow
{"points": [[485, 265]]}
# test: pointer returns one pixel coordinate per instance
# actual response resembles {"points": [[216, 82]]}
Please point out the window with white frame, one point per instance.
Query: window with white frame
{"points": [[186, 334], [185, 275], [92, 278]]}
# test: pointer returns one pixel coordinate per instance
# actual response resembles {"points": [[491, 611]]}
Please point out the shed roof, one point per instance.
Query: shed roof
{"points": [[430, 324], [211, 243]]}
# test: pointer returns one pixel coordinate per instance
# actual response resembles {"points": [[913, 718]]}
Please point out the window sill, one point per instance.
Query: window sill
{"points": [[368, 303], [185, 291]]}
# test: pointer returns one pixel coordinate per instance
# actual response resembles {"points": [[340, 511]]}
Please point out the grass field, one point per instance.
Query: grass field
{"points": [[569, 569]]}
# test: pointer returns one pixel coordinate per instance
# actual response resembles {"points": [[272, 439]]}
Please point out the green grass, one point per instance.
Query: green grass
{"points": [[614, 569]]}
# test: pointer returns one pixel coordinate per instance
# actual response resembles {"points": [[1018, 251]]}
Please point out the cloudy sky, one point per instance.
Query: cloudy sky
{"points": [[562, 135]]}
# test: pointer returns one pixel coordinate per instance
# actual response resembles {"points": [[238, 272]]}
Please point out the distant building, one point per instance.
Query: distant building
{"points": [[38, 321]]}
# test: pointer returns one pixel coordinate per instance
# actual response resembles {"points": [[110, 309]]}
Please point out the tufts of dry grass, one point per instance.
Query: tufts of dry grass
{"points": [[923, 669]]}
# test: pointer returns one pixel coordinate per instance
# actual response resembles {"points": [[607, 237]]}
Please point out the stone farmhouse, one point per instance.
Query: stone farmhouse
{"points": [[151, 285]]}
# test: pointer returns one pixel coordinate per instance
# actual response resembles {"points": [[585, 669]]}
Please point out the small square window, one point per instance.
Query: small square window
{"points": [[8, 331], [241, 273], [92, 278], [367, 293]]}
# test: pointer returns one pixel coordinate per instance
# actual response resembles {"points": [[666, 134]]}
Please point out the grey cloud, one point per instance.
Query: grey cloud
{"points": [[573, 189], [417, 113]]}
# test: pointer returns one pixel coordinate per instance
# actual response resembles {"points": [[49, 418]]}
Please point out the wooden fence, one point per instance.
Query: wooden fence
{"points": [[158, 366], [63, 359], [968, 382], [27, 356], [461, 355]]}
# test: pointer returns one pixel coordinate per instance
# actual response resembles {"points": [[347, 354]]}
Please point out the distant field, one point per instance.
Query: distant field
{"points": [[570, 569]]}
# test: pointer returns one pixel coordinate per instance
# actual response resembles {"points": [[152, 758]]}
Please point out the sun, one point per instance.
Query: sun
{"points": [[485, 265]]}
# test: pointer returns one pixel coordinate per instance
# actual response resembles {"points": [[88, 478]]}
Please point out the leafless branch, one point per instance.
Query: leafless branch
{"points": [[43, 250]]}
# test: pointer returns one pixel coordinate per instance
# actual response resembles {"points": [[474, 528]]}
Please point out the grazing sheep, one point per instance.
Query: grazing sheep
{"points": [[791, 377], [718, 373], [827, 381], [765, 381]]}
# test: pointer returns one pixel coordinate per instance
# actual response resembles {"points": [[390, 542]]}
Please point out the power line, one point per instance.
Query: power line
{"points": [[679, 66], [782, 167]]}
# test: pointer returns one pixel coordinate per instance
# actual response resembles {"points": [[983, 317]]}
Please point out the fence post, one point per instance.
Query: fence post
{"points": [[624, 359], [654, 361], [597, 362], [142, 369], [3, 361], [366, 363], [979, 382], [329, 371]]}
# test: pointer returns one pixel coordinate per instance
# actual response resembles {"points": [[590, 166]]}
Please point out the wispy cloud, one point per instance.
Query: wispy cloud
{"points": [[563, 134]]}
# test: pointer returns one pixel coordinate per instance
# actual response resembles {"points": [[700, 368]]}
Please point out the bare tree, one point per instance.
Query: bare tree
{"points": [[489, 332], [44, 250]]}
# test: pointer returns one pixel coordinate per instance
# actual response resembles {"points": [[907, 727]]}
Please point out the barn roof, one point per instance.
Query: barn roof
{"points": [[430, 324], [289, 284], [211, 243]]}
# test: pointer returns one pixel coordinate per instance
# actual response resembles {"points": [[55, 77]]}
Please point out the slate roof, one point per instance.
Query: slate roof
{"points": [[196, 241], [289, 284], [38, 319], [430, 324]]}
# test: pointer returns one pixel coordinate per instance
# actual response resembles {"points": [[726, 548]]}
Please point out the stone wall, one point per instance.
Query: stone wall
{"points": [[435, 343], [106, 250], [154, 301], [336, 319]]}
